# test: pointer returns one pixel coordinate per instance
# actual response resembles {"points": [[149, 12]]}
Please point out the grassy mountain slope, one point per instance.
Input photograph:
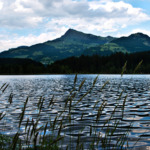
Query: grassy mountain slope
{"points": [[72, 43], [75, 43], [103, 50], [134, 43]]}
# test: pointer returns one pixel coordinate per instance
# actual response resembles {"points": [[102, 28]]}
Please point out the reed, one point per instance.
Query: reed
{"points": [[50, 103], [123, 68], [23, 112], [4, 87], [2, 116], [37, 138], [10, 98], [138, 66]]}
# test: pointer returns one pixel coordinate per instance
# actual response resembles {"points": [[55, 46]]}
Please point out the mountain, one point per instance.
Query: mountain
{"points": [[76, 43], [138, 42], [134, 43], [79, 37], [72, 43]]}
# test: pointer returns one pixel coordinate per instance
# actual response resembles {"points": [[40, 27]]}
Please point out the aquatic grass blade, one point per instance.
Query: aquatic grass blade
{"points": [[138, 66], [123, 68]]}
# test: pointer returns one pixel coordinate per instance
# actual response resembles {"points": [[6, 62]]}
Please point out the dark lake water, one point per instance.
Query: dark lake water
{"points": [[136, 116]]}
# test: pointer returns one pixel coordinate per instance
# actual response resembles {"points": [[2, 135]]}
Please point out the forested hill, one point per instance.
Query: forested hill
{"points": [[103, 64], [20, 66], [76, 43], [137, 42], [134, 43], [84, 64], [72, 43]]}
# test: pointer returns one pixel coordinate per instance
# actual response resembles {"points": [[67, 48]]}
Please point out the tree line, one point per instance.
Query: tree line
{"points": [[84, 64], [103, 64]]}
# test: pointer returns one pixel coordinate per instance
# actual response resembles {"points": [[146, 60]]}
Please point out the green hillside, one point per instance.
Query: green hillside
{"points": [[103, 50], [72, 43], [134, 43], [75, 43]]}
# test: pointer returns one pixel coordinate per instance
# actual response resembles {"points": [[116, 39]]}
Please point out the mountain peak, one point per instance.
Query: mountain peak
{"points": [[138, 35], [71, 32], [84, 38]]}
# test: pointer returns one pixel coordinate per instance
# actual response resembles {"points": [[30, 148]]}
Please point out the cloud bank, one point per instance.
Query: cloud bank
{"points": [[51, 18]]}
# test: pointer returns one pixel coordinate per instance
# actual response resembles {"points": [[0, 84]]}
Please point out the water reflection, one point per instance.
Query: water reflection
{"points": [[137, 106]]}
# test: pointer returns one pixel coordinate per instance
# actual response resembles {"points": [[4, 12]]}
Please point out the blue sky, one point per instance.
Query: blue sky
{"points": [[27, 22]]}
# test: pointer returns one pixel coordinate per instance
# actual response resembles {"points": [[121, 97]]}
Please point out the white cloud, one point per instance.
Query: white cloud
{"points": [[26, 10], [53, 17], [6, 42], [14, 15], [1, 5]]}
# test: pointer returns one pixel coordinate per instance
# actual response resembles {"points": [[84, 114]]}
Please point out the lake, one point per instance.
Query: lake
{"points": [[131, 90]]}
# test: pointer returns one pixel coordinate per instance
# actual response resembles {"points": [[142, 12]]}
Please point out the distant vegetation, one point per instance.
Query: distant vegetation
{"points": [[102, 64], [134, 43], [72, 43], [75, 43], [104, 50], [20, 66], [84, 64]]}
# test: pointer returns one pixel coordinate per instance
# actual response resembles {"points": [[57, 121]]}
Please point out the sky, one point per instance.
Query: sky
{"points": [[27, 22]]}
